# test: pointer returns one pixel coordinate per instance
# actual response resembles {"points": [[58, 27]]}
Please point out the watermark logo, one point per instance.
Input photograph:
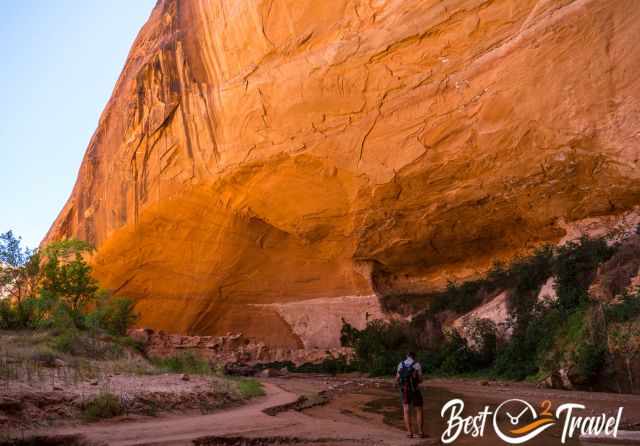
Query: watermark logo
{"points": [[534, 424], [516, 421]]}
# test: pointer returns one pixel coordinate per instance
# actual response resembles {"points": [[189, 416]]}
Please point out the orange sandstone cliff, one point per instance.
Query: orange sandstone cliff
{"points": [[272, 166]]}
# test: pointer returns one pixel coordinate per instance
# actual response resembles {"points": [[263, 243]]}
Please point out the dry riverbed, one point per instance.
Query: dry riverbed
{"points": [[346, 411], [48, 398]]}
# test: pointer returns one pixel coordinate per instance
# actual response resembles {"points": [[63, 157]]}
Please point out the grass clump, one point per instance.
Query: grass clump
{"points": [[249, 388], [184, 363], [79, 343], [103, 406]]}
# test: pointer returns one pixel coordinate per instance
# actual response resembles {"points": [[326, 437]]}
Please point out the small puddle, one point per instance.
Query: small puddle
{"points": [[389, 406]]}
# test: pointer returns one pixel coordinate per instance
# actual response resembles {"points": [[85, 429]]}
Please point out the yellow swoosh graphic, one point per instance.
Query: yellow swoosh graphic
{"points": [[531, 426]]}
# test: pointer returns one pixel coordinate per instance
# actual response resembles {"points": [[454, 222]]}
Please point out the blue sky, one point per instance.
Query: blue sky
{"points": [[60, 61]]}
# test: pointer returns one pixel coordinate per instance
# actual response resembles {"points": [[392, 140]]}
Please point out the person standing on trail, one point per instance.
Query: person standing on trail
{"points": [[408, 376]]}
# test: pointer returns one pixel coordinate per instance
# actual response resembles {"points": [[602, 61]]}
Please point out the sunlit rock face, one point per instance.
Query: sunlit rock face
{"points": [[256, 154]]}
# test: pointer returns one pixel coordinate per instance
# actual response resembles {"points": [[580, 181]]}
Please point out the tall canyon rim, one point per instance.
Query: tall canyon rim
{"points": [[273, 166]]}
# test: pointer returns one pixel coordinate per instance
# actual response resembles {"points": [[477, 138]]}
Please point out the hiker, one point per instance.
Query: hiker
{"points": [[408, 376]]}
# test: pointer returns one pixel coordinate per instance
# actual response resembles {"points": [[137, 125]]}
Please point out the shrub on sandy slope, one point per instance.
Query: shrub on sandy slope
{"points": [[249, 388], [104, 405]]}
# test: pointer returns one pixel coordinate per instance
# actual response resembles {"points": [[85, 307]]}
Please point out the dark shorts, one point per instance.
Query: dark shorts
{"points": [[411, 397]]}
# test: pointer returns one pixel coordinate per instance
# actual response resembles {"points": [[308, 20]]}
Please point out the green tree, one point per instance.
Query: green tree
{"points": [[19, 279], [56, 289], [11, 253], [67, 279], [19, 269]]}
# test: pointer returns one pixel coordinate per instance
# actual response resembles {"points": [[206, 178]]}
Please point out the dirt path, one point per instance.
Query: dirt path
{"points": [[170, 430], [248, 420], [360, 412]]}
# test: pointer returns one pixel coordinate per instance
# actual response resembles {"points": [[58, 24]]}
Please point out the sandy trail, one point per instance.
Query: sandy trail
{"points": [[360, 412], [248, 420], [170, 430]]}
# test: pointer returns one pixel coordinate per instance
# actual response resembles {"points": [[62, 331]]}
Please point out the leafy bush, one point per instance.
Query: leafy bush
{"points": [[129, 342], [249, 388], [525, 274], [120, 316], [77, 343], [329, 366], [113, 314], [460, 298], [26, 314], [624, 343], [379, 347], [511, 363], [574, 268], [526, 277], [484, 334], [531, 348], [104, 405], [8, 316], [66, 342], [626, 310], [184, 363], [457, 357], [589, 360]]}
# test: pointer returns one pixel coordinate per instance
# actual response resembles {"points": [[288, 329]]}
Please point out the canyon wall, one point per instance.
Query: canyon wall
{"points": [[260, 153]]}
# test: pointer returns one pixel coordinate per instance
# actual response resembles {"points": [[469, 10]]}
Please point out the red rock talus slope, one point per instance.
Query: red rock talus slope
{"points": [[255, 154]]}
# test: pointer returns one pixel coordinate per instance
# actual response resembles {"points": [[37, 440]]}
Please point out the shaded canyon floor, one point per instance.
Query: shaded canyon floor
{"points": [[356, 411]]}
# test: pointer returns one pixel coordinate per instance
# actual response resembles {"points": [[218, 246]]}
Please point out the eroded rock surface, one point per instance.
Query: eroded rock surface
{"points": [[269, 152], [318, 322], [232, 348]]}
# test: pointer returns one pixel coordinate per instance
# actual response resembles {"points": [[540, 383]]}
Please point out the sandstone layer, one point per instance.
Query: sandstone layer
{"points": [[259, 153], [230, 349]]}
